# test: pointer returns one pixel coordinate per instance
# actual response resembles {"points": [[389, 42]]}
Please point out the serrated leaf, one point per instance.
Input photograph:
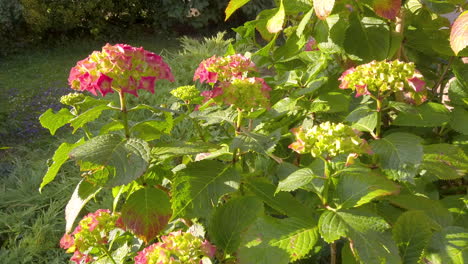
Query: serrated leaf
{"points": [[449, 246], [233, 6], [179, 148], [146, 212], [215, 115], [387, 8], [249, 141], [290, 235], [84, 192], [129, 157], [363, 119], [400, 154], [284, 203], [230, 219], [425, 115], [458, 207], [88, 116], [432, 208], [459, 33], [459, 120], [357, 186], [314, 174], [59, 158], [275, 23], [412, 233], [197, 188], [458, 92], [365, 230], [445, 161], [323, 8], [152, 129], [367, 38], [331, 102], [54, 121], [304, 21]]}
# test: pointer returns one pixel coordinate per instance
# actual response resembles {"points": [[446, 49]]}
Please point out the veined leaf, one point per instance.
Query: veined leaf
{"points": [[178, 148], [275, 23], [400, 154], [331, 102], [357, 186], [323, 8], [449, 246], [59, 158], [412, 233], [84, 192], [88, 116], [146, 212], [458, 207], [248, 141], [230, 219], [303, 177], [233, 6], [458, 92], [387, 8], [363, 118], [282, 202], [426, 115], [290, 235], [445, 161], [129, 157], [459, 33], [365, 230], [304, 21], [459, 120], [197, 188], [54, 121]]}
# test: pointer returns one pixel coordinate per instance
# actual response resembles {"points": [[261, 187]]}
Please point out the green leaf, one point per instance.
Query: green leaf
{"points": [[84, 192], [365, 230], [197, 188], [367, 39], [458, 92], [275, 23], [445, 161], [111, 126], [292, 236], [59, 158], [357, 186], [129, 157], [331, 102], [303, 177], [400, 154], [304, 21], [449, 246], [230, 219], [146, 212], [282, 202], [432, 208], [88, 116], [179, 148], [412, 233], [459, 33], [458, 207], [153, 129], [425, 115], [249, 141], [459, 120], [233, 6], [323, 8], [54, 121], [363, 118]]}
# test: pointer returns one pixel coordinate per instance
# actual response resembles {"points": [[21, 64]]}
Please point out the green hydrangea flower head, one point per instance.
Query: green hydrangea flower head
{"points": [[384, 78], [186, 93], [328, 140], [72, 99]]}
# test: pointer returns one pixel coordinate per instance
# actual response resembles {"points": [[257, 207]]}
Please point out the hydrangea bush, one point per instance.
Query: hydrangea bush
{"points": [[341, 140]]}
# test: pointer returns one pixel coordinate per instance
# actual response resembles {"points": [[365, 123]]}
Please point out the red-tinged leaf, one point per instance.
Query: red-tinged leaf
{"points": [[275, 23], [323, 8], [233, 6], [459, 33], [146, 212], [387, 8]]}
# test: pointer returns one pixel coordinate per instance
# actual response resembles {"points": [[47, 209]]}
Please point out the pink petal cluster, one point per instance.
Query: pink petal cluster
{"points": [[120, 68], [223, 68], [311, 45]]}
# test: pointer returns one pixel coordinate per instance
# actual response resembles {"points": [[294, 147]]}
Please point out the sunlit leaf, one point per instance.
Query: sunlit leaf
{"points": [[275, 23], [84, 192], [233, 6], [459, 33], [323, 8]]}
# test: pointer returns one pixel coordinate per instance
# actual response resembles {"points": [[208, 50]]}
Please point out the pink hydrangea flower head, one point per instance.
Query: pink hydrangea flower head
{"points": [[80, 258], [221, 69], [66, 241], [120, 68]]}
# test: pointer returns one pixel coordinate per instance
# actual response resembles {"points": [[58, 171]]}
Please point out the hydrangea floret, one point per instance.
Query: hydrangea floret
{"points": [[120, 68], [177, 248], [91, 232], [329, 140], [72, 99], [186, 93], [223, 68], [383, 78]]}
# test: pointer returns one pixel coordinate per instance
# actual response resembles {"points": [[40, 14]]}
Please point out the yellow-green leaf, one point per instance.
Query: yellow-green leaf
{"points": [[275, 23], [459, 33], [233, 6]]}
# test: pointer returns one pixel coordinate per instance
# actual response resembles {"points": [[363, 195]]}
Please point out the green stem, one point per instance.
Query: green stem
{"points": [[333, 253], [123, 109], [197, 126], [86, 131], [109, 255], [239, 121], [326, 171], [379, 118], [441, 79]]}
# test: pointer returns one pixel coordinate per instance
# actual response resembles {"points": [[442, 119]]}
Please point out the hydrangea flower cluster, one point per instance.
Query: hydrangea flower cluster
{"points": [[233, 83], [186, 93], [120, 68], [328, 140], [92, 231], [72, 99], [382, 78], [177, 248]]}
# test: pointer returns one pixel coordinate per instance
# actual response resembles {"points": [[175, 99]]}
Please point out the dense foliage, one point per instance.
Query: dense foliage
{"points": [[340, 137]]}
